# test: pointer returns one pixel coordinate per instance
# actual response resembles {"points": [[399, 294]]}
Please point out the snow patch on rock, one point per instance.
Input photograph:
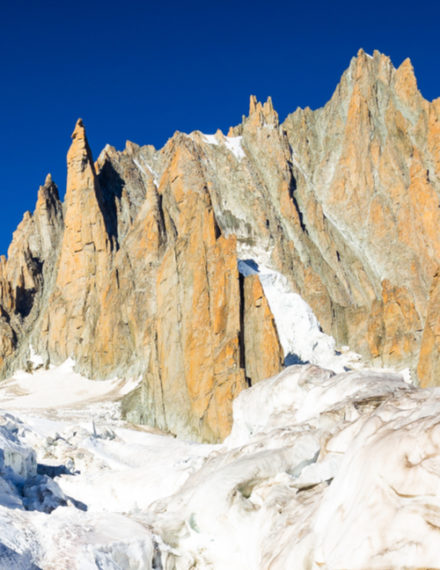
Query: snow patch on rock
{"points": [[298, 329], [233, 144]]}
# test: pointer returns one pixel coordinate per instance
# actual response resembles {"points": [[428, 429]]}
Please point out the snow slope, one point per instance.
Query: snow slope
{"points": [[321, 470], [298, 329]]}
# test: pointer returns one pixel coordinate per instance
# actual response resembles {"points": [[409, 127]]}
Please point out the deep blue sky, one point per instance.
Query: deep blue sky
{"points": [[141, 70]]}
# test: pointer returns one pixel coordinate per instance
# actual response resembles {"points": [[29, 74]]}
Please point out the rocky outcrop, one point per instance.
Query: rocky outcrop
{"points": [[136, 275], [195, 358], [142, 283], [262, 350], [367, 184], [27, 274], [428, 369], [84, 260]]}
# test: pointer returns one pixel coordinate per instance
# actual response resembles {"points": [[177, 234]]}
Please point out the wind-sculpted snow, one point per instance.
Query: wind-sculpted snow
{"points": [[268, 500], [321, 470]]}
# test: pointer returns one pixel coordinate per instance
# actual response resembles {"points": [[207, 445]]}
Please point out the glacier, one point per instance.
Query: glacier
{"points": [[322, 469]]}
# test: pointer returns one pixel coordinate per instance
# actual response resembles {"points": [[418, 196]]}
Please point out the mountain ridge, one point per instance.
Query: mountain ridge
{"points": [[136, 274]]}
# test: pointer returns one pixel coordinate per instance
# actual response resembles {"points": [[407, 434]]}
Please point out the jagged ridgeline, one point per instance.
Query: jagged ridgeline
{"points": [[136, 273]]}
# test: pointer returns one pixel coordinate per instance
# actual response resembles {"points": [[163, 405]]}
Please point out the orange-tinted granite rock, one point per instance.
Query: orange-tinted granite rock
{"points": [[428, 369], [27, 275], [367, 184], [137, 275], [263, 352], [150, 291], [84, 259]]}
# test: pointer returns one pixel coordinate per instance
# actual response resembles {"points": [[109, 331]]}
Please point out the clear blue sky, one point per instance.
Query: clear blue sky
{"points": [[141, 70]]}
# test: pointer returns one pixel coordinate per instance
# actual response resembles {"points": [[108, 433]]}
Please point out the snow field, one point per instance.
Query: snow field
{"points": [[329, 465], [322, 469]]}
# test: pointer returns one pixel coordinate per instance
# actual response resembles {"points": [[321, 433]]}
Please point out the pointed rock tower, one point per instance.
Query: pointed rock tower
{"points": [[84, 260]]}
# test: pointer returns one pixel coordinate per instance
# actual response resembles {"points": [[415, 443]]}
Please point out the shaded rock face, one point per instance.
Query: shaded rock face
{"points": [[27, 276], [136, 274]]}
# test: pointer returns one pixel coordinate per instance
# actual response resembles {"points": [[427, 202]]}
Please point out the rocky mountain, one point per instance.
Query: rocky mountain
{"points": [[136, 273]]}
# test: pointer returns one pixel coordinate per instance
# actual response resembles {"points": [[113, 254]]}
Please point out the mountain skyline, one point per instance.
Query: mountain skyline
{"points": [[342, 201], [272, 288], [145, 72]]}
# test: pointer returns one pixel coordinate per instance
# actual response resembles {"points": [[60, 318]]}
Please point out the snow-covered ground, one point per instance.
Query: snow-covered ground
{"points": [[321, 470]]}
